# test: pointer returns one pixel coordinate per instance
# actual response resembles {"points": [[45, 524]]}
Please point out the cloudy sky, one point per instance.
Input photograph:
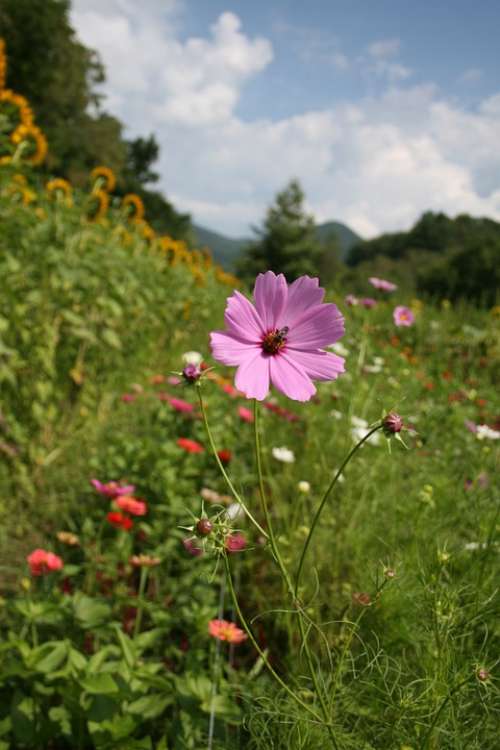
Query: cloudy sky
{"points": [[382, 108]]}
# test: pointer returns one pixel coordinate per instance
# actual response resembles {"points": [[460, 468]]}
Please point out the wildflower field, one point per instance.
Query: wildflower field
{"points": [[301, 553]]}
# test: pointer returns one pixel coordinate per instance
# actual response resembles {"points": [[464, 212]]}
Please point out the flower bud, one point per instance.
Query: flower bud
{"points": [[482, 674], [191, 373], [204, 527], [392, 424]]}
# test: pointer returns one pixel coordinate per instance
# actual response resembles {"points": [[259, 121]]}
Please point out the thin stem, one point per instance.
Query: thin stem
{"points": [[286, 577], [262, 653], [140, 598], [323, 501], [222, 469], [215, 669], [427, 738]]}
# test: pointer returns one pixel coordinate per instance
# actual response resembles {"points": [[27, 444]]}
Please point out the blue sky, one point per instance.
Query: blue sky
{"points": [[382, 109]]}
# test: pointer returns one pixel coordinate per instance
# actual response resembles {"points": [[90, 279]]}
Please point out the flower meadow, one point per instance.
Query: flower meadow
{"points": [[234, 518]]}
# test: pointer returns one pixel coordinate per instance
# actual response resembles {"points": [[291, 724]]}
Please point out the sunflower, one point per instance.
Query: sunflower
{"points": [[99, 204], [131, 199], [106, 174], [3, 64], [59, 186], [37, 143], [17, 108]]}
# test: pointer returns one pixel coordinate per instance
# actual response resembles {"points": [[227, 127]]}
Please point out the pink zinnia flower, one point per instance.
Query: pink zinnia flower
{"points": [[382, 284], [226, 631], [280, 339], [42, 562], [180, 405], [130, 505], [403, 316], [112, 489], [245, 414]]}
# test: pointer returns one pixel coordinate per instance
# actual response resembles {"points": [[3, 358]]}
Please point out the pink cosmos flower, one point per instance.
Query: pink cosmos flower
{"points": [[382, 284], [42, 562], [368, 302], [280, 339], [403, 316], [235, 542], [226, 631], [130, 505], [112, 489]]}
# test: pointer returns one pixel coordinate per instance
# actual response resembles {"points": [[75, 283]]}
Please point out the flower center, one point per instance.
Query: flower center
{"points": [[275, 340]]}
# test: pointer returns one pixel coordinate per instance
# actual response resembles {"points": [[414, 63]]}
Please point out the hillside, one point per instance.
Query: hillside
{"points": [[225, 250]]}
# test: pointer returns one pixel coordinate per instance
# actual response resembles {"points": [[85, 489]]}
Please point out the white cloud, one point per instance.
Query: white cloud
{"points": [[375, 163], [471, 75], [381, 63]]}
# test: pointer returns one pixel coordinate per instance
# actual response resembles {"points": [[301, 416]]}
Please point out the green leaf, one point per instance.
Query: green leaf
{"points": [[49, 657], [111, 338], [99, 684], [90, 612], [150, 706], [127, 647], [61, 716], [223, 707]]}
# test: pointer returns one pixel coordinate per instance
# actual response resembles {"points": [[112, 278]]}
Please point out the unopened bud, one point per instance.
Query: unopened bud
{"points": [[392, 423], [482, 674], [204, 527]]}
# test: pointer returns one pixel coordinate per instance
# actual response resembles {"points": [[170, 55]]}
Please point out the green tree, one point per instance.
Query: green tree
{"points": [[287, 242]]}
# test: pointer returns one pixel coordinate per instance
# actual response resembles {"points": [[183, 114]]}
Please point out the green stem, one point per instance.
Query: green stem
{"points": [[262, 653], [286, 577], [222, 469], [427, 738], [140, 599], [323, 501]]}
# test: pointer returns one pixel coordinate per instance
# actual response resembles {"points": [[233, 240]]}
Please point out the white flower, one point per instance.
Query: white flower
{"points": [[192, 358], [234, 512], [359, 430], [304, 487], [339, 349], [372, 368], [336, 414], [283, 454], [483, 431]]}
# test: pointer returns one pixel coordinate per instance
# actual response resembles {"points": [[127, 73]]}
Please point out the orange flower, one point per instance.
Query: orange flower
{"points": [[131, 199], [107, 175], [226, 631]]}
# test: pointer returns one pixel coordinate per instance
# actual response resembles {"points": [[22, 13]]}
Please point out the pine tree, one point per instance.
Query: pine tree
{"points": [[287, 242]]}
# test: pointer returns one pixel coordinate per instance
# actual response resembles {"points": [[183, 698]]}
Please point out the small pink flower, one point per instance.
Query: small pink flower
{"points": [[382, 284], [190, 446], [235, 542], [129, 504], [112, 489], [368, 302], [280, 339], [182, 406], [42, 562], [245, 414], [127, 398], [226, 631], [403, 316], [174, 380], [351, 300]]}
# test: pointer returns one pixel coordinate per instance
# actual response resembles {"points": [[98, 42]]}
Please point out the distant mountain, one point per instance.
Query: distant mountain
{"points": [[225, 250]]}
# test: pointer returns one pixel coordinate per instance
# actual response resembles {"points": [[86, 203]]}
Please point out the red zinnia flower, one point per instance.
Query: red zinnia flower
{"points": [[42, 562], [120, 521], [225, 456], [191, 446]]}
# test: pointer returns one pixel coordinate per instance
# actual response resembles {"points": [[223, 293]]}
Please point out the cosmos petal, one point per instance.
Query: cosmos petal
{"points": [[230, 350], [242, 318], [252, 376], [289, 378], [303, 293], [270, 294], [319, 326], [318, 365]]}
